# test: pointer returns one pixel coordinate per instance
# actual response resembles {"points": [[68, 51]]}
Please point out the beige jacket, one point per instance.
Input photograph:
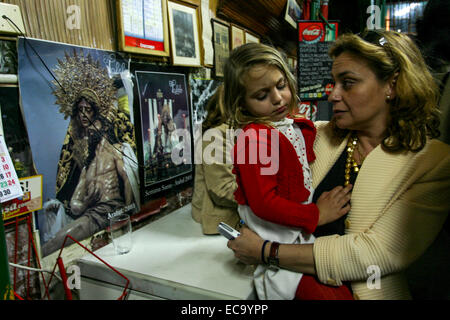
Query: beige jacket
{"points": [[214, 184], [399, 204]]}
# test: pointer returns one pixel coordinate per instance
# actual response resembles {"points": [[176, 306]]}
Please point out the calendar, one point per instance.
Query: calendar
{"points": [[9, 183], [143, 26]]}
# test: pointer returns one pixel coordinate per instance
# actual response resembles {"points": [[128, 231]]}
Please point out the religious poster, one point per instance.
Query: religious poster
{"points": [[165, 133], [201, 91], [81, 128]]}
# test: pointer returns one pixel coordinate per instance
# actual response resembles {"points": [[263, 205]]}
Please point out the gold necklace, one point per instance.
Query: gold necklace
{"points": [[351, 163]]}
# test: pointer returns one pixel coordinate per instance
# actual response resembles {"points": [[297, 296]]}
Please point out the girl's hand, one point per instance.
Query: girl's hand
{"points": [[334, 204], [247, 247]]}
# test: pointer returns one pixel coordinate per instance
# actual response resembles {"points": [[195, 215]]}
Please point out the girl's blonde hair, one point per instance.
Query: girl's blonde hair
{"points": [[241, 60], [413, 113], [216, 113]]}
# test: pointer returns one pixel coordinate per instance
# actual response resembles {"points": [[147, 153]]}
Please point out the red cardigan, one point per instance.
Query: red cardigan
{"points": [[277, 197]]}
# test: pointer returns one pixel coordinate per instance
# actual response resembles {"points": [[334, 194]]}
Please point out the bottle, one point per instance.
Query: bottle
{"points": [[306, 9], [315, 8], [324, 9]]}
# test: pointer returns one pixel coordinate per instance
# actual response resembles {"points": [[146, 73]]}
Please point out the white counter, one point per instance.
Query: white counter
{"points": [[170, 259]]}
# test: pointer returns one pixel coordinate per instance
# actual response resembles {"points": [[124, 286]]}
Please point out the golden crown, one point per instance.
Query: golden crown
{"points": [[79, 74]]}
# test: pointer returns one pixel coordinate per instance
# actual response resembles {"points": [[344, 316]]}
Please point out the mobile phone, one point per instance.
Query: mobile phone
{"points": [[227, 231]]}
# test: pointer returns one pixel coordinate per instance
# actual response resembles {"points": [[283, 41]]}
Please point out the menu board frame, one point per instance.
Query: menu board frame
{"points": [[141, 45], [314, 36]]}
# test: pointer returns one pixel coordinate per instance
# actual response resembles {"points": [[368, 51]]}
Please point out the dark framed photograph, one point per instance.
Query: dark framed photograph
{"points": [[221, 46], [184, 35]]}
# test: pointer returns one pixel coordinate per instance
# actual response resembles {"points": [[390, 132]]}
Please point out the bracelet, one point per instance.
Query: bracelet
{"points": [[262, 251], [273, 256]]}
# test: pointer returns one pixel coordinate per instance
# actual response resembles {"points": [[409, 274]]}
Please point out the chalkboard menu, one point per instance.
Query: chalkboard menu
{"points": [[314, 64]]}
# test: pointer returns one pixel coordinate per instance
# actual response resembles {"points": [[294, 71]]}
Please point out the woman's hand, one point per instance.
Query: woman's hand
{"points": [[247, 247], [334, 204]]}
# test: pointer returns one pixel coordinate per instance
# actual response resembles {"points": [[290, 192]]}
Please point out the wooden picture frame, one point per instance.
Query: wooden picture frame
{"points": [[221, 39], [293, 13], [237, 37], [143, 29], [249, 37], [184, 32]]}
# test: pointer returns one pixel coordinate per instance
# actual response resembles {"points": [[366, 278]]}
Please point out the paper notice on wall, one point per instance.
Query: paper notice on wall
{"points": [[9, 182], [31, 200], [207, 34]]}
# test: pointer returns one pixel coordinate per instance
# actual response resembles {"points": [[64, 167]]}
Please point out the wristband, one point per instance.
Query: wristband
{"points": [[262, 251], [273, 256]]}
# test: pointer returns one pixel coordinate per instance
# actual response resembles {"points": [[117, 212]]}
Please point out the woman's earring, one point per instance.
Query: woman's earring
{"points": [[388, 97]]}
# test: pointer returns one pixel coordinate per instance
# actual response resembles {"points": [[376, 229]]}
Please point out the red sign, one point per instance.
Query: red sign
{"points": [[308, 110], [311, 32], [144, 43], [314, 64], [30, 201], [328, 89]]}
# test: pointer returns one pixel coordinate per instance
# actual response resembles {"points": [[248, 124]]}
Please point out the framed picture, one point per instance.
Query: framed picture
{"points": [[184, 35], [237, 37], [250, 38], [143, 27], [293, 13], [221, 46], [8, 57]]}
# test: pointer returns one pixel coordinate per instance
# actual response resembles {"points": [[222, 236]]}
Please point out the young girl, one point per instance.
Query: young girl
{"points": [[271, 163]]}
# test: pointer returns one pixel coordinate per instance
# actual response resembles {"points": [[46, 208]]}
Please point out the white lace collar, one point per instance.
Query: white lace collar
{"points": [[283, 123]]}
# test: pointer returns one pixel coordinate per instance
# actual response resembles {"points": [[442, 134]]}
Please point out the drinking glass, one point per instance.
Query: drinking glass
{"points": [[120, 230]]}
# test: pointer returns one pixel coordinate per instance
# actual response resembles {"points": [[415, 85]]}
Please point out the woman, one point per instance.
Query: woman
{"points": [[214, 184], [383, 130]]}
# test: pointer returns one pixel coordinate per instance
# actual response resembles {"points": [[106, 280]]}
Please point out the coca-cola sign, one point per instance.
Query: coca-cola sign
{"points": [[312, 33], [314, 64]]}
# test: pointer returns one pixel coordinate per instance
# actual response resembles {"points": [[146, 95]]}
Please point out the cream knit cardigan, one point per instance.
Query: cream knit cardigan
{"points": [[398, 206]]}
